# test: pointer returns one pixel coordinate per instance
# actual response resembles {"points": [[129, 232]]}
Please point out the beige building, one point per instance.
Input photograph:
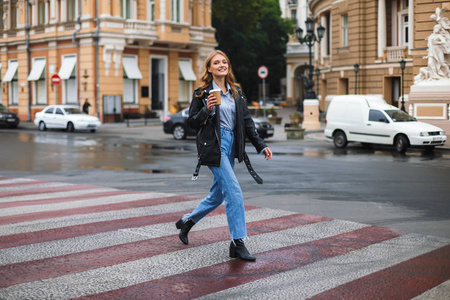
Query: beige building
{"points": [[124, 56], [375, 35]]}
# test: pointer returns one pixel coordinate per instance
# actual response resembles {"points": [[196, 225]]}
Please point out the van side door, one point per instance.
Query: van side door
{"points": [[378, 128]]}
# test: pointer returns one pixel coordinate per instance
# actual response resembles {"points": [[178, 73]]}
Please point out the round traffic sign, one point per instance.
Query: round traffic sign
{"points": [[263, 72], [56, 79]]}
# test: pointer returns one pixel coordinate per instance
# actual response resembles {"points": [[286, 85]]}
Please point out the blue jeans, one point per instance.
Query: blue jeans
{"points": [[226, 188]]}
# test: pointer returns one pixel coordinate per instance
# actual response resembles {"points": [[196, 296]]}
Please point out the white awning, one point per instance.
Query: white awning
{"points": [[186, 70], [67, 67], [36, 71], [12, 69], [131, 68]]}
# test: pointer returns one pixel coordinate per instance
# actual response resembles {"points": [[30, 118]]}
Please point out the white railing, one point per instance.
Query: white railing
{"points": [[196, 34], [395, 53], [297, 48], [140, 27]]}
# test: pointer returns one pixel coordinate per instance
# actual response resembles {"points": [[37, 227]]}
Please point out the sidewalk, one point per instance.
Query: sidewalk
{"points": [[279, 133]]}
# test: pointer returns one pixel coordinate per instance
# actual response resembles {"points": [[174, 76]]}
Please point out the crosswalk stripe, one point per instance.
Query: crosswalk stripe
{"points": [[52, 196], [65, 241], [176, 262], [44, 188], [107, 239], [81, 261], [86, 196], [426, 271]]}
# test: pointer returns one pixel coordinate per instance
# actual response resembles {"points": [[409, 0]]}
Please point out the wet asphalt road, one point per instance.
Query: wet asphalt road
{"points": [[371, 185]]}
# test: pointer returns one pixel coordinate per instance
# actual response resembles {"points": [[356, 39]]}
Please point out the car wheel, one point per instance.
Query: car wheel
{"points": [[179, 132], [42, 126], [401, 143], [340, 139], [70, 127]]}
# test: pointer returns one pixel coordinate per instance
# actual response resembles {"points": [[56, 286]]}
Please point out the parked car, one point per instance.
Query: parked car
{"points": [[8, 118], [264, 127], [68, 117], [370, 120], [177, 125]]}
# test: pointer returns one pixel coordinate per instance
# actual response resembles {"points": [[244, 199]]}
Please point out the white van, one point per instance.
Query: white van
{"points": [[369, 119]]}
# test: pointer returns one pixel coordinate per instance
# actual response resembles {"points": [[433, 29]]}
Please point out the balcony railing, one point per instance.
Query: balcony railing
{"points": [[196, 34], [395, 53], [140, 27], [297, 49]]}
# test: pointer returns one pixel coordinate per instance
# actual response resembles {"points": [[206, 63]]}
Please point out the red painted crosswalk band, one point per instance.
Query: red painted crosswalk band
{"points": [[155, 235]]}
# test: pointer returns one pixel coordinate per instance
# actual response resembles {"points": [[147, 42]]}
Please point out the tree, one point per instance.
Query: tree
{"points": [[252, 33]]}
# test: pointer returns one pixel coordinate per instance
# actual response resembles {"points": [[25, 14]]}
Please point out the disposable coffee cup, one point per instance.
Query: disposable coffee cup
{"points": [[216, 93]]}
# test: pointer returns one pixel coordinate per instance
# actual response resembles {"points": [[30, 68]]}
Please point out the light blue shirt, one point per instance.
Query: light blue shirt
{"points": [[227, 108]]}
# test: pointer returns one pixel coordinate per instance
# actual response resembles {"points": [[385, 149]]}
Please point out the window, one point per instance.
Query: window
{"points": [[186, 78], [2, 25], [70, 10], [13, 17], [37, 75], [405, 30], [151, 10], [41, 12], [376, 116], [131, 74], [67, 73], [11, 78], [59, 111], [176, 11], [294, 16], [126, 9], [50, 110], [344, 30]]}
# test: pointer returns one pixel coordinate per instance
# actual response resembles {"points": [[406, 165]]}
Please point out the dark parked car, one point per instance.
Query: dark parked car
{"points": [[8, 118], [177, 125]]}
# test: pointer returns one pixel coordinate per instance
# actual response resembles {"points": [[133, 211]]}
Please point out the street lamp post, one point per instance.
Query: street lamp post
{"points": [[317, 76], [402, 66], [356, 68], [310, 38]]}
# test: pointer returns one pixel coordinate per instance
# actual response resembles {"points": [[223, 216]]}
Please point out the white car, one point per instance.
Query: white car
{"points": [[68, 117], [369, 120]]}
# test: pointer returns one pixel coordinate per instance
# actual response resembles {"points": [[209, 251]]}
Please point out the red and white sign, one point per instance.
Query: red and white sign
{"points": [[263, 72], [56, 79]]}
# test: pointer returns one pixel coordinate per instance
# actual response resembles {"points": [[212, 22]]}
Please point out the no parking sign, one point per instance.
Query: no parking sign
{"points": [[263, 72]]}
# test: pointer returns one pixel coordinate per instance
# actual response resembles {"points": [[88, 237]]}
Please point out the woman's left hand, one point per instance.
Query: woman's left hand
{"points": [[267, 153]]}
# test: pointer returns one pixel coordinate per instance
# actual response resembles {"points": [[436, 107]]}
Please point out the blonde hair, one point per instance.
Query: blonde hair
{"points": [[207, 77]]}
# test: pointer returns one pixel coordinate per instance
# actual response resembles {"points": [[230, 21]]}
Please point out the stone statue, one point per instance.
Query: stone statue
{"points": [[438, 50]]}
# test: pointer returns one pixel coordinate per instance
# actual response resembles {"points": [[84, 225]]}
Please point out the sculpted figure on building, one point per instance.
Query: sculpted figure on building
{"points": [[438, 50]]}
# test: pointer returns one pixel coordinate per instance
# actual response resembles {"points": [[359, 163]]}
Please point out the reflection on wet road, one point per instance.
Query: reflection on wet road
{"points": [[58, 151]]}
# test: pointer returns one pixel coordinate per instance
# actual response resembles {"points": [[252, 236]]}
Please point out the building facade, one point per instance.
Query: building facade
{"points": [[375, 35], [122, 56]]}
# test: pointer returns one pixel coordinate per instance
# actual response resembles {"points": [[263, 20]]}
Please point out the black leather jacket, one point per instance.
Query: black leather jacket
{"points": [[208, 131]]}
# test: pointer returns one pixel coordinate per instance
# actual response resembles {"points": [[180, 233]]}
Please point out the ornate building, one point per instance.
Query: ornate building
{"points": [[121, 56], [375, 35]]}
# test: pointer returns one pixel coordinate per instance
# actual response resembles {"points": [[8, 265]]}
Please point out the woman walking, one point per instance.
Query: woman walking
{"points": [[221, 132]]}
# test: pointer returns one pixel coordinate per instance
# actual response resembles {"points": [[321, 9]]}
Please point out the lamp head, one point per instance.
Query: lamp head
{"points": [[309, 26], [356, 68], [402, 64], [320, 32], [299, 34]]}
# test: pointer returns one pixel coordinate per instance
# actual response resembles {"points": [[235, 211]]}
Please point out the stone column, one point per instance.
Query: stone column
{"points": [[411, 26], [381, 27], [324, 42]]}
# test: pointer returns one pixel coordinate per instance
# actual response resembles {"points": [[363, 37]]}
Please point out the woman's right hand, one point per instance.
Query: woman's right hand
{"points": [[211, 101]]}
